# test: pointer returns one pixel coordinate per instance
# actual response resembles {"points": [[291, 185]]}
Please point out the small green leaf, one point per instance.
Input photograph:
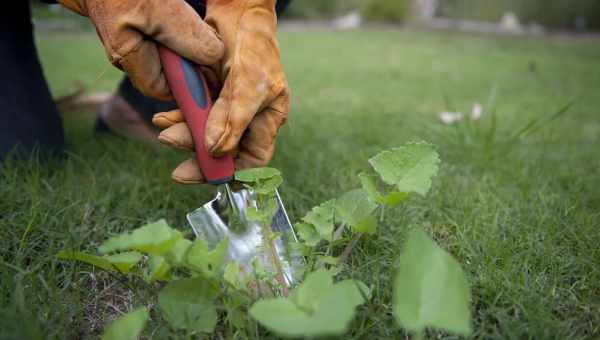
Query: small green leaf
{"points": [[128, 326], [235, 277], [189, 304], [264, 213], [327, 260], [308, 233], [124, 261], [155, 238], [368, 184], [331, 262], [318, 307], [355, 209], [253, 214], [236, 304], [263, 181], [258, 269], [268, 185], [431, 290], [158, 269], [96, 261], [178, 251], [390, 199], [321, 217], [394, 198], [410, 167], [256, 174], [208, 262]]}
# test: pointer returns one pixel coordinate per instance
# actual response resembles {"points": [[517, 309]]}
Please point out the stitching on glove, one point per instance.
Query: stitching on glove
{"points": [[232, 78]]}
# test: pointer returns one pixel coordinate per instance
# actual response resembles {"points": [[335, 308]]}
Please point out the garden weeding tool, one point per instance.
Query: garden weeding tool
{"points": [[225, 215]]}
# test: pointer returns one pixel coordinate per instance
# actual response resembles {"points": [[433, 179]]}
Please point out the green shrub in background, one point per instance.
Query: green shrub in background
{"points": [[319, 9], [387, 10], [561, 14], [376, 10]]}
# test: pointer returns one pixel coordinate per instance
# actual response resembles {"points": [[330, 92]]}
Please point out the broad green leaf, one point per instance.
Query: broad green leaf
{"points": [[189, 304], [318, 307], [124, 261], [410, 167], [179, 250], [128, 326], [321, 217], [308, 233], [430, 290], [308, 293], [368, 225], [363, 290], [256, 174], [155, 238], [204, 260], [96, 261], [158, 269], [355, 208]]}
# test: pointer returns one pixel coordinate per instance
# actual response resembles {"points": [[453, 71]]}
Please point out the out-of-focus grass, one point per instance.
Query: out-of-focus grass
{"points": [[522, 220]]}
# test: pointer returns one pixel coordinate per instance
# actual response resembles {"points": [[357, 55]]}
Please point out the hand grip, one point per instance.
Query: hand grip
{"points": [[190, 91]]}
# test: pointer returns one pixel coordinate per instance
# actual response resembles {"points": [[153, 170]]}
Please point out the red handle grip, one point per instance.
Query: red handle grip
{"points": [[189, 88]]}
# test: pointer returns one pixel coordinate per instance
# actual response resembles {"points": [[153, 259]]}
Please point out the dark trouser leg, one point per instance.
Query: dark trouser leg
{"points": [[146, 106], [28, 116]]}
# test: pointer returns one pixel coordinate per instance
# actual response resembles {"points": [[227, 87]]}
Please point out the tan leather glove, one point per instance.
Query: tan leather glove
{"points": [[254, 100], [129, 28]]}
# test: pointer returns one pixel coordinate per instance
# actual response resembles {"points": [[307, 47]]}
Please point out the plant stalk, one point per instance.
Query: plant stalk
{"points": [[348, 250]]}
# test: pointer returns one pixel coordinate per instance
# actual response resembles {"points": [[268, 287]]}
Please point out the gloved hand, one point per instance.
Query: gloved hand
{"points": [[254, 99], [129, 28]]}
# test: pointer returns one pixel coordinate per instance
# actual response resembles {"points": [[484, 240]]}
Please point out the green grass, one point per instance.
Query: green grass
{"points": [[520, 215]]}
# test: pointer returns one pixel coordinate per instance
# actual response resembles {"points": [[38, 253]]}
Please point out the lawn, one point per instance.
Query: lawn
{"points": [[520, 212]]}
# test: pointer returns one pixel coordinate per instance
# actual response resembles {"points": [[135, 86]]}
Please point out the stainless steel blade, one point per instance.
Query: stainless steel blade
{"points": [[225, 216]]}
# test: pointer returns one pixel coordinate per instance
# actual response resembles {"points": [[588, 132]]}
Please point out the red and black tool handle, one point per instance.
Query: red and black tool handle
{"points": [[190, 91]]}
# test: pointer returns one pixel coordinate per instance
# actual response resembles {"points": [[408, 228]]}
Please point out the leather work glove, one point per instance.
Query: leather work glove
{"points": [[254, 98], [128, 29]]}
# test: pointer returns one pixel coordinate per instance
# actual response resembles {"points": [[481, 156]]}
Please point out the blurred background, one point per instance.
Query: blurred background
{"points": [[580, 15], [510, 15]]}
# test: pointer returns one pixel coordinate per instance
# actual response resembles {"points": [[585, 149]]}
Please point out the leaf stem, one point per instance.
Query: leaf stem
{"points": [[348, 250], [382, 213], [267, 237], [337, 234]]}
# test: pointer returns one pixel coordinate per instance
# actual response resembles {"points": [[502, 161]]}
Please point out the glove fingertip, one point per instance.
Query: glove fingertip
{"points": [[161, 122], [208, 50], [188, 172], [186, 181]]}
